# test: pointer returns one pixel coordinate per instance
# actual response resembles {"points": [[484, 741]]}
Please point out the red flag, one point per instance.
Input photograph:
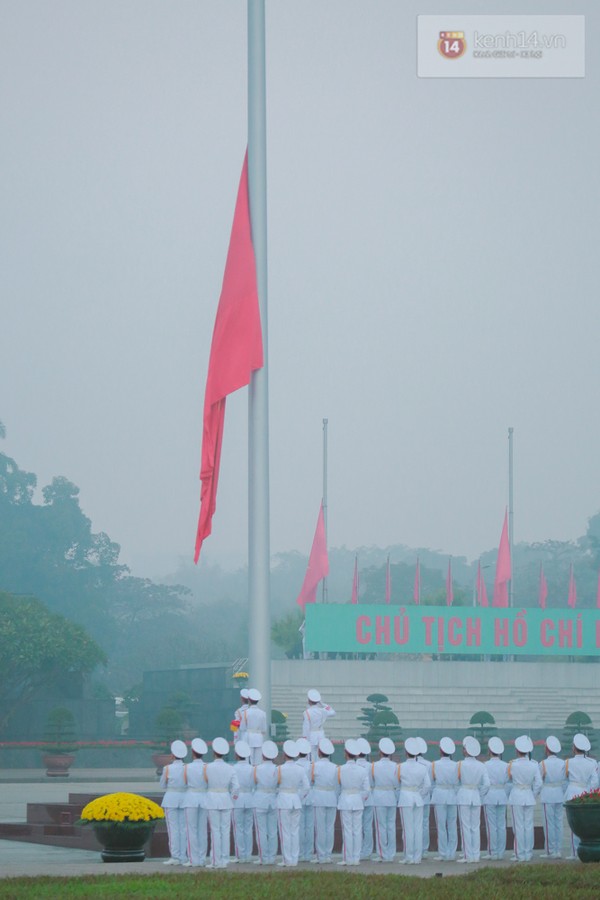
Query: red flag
{"points": [[449, 591], [388, 582], [355, 582], [572, 599], [318, 564], [236, 351], [417, 589], [503, 569], [480, 589], [543, 593], [598, 592]]}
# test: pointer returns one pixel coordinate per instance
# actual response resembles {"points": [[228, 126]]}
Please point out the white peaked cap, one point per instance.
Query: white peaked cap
{"points": [[326, 747], [269, 750], [364, 746], [351, 747], [220, 746], [523, 744], [422, 746], [244, 693], [581, 743], [496, 746], [254, 695], [199, 746], [411, 745], [303, 745], [447, 746], [179, 749], [242, 750], [387, 746], [471, 745], [290, 749], [553, 744], [313, 695]]}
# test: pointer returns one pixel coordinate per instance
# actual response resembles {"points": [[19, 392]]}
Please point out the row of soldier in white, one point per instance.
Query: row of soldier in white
{"points": [[301, 797], [252, 720]]}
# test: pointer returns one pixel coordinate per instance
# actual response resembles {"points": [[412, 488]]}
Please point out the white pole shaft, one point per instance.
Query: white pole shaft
{"points": [[325, 423], [259, 627], [510, 515]]}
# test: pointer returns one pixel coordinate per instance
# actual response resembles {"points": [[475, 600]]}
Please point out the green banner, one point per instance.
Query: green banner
{"points": [[457, 630]]}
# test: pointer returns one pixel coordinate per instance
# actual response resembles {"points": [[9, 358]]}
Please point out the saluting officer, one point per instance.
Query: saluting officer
{"points": [[313, 720]]}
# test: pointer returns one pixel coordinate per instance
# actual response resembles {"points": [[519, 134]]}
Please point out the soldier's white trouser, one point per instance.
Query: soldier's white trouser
{"points": [[265, 821], [447, 829], [522, 817], [426, 817], [385, 831], [553, 827], [220, 836], [495, 826], [196, 822], [324, 830], [242, 821], [412, 831], [289, 835], [307, 833], [470, 824], [175, 819], [366, 848], [256, 756], [352, 834]]}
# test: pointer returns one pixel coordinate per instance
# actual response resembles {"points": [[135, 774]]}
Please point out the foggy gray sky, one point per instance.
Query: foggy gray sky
{"points": [[433, 256]]}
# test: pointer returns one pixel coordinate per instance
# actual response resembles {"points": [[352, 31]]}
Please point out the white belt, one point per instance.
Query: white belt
{"points": [[351, 791], [404, 787], [384, 787], [553, 783], [288, 790], [217, 790], [245, 790], [499, 787], [523, 787], [446, 787], [470, 787], [324, 787], [177, 790], [578, 784], [197, 790], [264, 790]]}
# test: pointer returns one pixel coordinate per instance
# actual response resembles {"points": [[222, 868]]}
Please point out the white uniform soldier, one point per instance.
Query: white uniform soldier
{"points": [[172, 780], [582, 776], [196, 817], [307, 817], [384, 791], [427, 807], [414, 790], [243, 807], [324, 793], [240, 734], [444, 779], [473, 785], [526, 784], [313, 721], [354, 790], [554, 784], [292, 788], [222, 788], [366, 850], [255, 725], [264, 799], [496, 800]]}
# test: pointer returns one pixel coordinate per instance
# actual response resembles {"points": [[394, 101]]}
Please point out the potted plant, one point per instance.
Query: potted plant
{"points": [[167, 727], [123, 824], [583, 816], [59, 745]]}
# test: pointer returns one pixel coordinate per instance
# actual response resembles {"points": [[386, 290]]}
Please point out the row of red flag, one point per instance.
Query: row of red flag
{"points": [[318, 568]]}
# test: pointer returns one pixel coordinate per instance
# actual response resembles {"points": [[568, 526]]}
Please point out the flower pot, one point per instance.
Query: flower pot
{"points": [[123, 841], [58, 764], [161, 760], [584, 821]]}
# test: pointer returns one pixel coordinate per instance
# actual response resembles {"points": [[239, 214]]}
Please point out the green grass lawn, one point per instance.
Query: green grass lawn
{"points": [[537, 881]]}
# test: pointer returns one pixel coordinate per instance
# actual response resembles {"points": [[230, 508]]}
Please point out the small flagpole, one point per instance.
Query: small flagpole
{"points": [[259, 626], [511, 512], [325, 423]]}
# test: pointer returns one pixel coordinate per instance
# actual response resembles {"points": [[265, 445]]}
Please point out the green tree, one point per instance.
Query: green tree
{"points": [[483, 726], [285, 633], [38, 648]]}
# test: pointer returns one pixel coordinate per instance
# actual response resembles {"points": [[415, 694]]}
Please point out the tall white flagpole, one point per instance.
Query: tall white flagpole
{"points": [[325, 511], [259, 627]]}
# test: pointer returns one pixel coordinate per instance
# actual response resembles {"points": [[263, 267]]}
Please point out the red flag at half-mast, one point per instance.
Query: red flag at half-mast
{"points": [[449, 591], [417, 589], [354, 598], [318, 564], [572, 599], [388, 582], [236, 351], [543, 593], [480, 589], [503, 569]]}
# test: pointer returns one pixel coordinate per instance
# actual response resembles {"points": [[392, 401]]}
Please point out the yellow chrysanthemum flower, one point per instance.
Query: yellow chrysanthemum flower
{"points": [[121, 807]]}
